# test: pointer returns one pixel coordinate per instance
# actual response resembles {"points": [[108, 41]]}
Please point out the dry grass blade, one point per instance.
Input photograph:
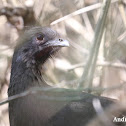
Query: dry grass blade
{"points": [[80, 11], [88, 73]]}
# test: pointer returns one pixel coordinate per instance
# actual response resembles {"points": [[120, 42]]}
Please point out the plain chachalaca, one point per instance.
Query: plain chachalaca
{"points": [[35, 47]]}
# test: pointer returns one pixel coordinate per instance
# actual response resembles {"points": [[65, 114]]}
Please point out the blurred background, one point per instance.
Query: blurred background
{"points": [[76, 21]]}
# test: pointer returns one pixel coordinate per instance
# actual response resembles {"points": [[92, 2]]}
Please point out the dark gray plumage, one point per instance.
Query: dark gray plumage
{"points": [[34, 49]]}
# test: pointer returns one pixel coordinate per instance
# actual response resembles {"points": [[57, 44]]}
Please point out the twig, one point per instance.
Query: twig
{"points": [[122, 11], [80, 11], [101, 113], [122, 36], [88, 23], [99, 63], [49, 96], [78, 47], [117, 109], [70, 94]]}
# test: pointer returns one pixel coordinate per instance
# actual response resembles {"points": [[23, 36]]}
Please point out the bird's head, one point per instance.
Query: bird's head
{"points": [[37, 45]]}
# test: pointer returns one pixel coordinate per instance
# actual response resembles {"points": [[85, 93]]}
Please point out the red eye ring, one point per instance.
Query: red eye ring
{"points": [[40, 37]]}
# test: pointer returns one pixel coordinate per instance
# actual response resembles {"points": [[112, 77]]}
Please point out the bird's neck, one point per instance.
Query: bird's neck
{"points": [[23, 78]]}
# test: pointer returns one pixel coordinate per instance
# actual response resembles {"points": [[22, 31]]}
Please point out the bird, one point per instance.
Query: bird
{"points": [[35, 47]]}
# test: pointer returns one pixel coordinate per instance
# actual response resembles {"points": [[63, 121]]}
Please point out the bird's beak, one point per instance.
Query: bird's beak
{"points": [[58, 43]]}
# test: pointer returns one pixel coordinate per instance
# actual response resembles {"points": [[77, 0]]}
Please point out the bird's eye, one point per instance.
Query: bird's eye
{"points": [[40, 37]]}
